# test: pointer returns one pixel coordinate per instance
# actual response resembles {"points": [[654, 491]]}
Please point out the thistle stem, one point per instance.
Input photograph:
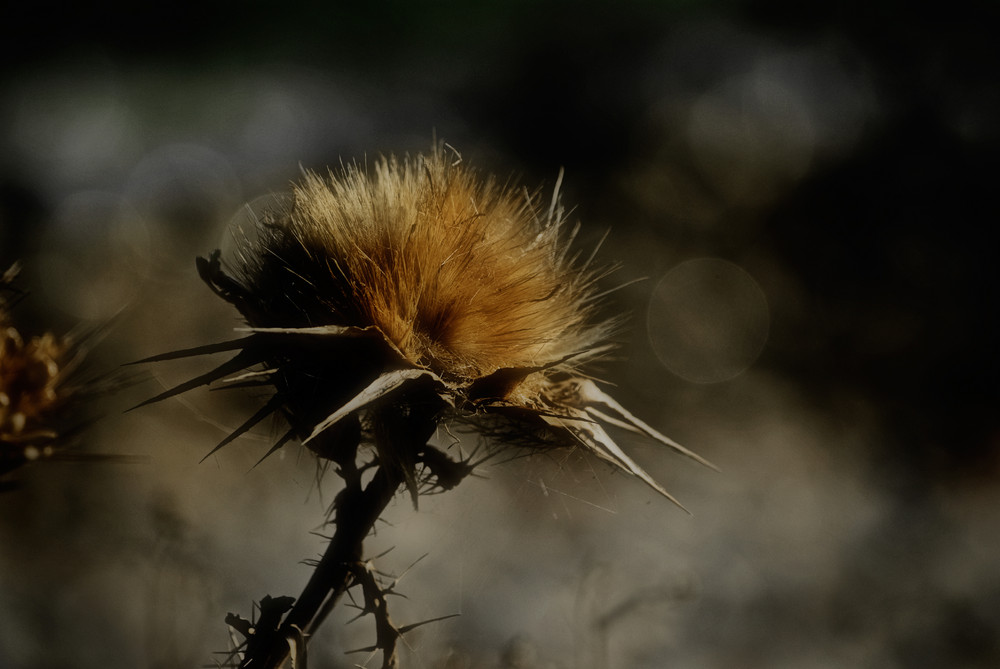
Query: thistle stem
{"points": [[357, 510]]}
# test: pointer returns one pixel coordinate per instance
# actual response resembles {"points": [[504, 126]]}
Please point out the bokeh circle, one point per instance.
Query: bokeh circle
{"points": [[708, 320]]}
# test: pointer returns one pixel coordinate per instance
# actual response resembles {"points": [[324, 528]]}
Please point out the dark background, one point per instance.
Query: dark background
{"points": [[839, 159]]}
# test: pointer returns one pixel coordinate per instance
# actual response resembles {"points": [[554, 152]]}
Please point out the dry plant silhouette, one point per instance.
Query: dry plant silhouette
{"points": [[382, 304], [44, 390]]}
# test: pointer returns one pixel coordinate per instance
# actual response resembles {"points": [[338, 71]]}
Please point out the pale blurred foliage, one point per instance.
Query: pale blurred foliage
{"points": [[796, 556]]}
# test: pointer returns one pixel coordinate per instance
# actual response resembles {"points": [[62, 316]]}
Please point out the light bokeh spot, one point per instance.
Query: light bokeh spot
{"points": [[708, 320]]}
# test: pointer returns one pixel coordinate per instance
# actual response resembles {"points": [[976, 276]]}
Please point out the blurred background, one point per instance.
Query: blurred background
{"points": [[807, 191]]}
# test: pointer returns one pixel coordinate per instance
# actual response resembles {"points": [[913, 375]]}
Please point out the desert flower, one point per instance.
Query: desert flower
{"points": [[382, 303]]}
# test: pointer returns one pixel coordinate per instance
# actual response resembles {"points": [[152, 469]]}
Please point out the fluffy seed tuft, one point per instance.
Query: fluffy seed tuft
{"points": [[463, 276]]}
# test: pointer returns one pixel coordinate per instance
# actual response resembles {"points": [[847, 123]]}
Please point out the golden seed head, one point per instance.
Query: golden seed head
{"points": [[463, 276], [382, 302]]}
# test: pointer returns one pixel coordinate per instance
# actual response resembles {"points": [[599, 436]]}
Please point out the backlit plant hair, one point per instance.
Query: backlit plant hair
{"points": [[384, 303]]}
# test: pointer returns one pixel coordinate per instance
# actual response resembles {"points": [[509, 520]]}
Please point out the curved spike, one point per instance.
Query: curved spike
{"points": [[206, 349], [272, 405], [598, 442], [240, 361], [284, 439], [590, 394]]}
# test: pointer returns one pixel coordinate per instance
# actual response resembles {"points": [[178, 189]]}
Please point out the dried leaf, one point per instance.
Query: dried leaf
{"points": [[380, 387], [250, 375], [320, 330], [349, 331]]}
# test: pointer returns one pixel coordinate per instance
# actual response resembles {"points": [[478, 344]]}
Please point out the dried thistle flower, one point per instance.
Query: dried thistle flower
{"points": [[419, 281], [381, 304], [38, 411]]}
